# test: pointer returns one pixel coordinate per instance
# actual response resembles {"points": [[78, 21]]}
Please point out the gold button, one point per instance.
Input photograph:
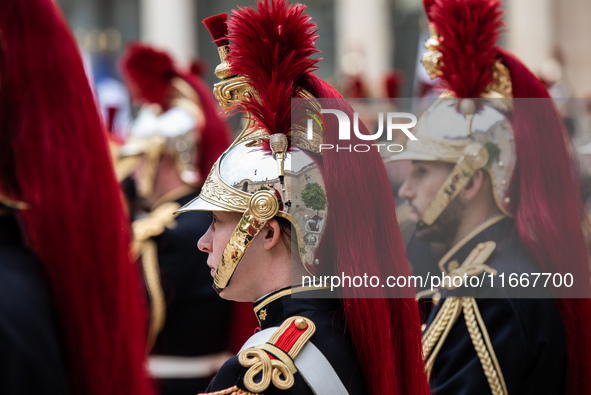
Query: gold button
{"points": [[300, 323], [501, 164], [507, 200]]}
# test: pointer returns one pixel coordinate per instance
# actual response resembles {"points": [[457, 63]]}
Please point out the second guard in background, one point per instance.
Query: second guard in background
{"points": [[492, 178], [174, 140]]}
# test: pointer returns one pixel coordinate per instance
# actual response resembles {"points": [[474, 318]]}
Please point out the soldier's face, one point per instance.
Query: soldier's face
{"points": [[422, 185], [215, 239], [244, 285], [420, 189]]}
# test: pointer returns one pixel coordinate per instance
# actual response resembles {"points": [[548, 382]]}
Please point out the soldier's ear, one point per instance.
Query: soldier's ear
{"points": [[272, 234], [473, 186]]}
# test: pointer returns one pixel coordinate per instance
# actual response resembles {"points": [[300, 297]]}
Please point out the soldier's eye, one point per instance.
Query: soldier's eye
{"points": [[420, 171]]}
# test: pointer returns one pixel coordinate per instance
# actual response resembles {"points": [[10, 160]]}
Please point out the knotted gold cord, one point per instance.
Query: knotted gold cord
{"points": [[271, 370], [229, 391]]}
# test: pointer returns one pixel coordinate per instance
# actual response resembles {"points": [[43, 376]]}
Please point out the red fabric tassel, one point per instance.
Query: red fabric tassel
{"points": [[216, 25]]}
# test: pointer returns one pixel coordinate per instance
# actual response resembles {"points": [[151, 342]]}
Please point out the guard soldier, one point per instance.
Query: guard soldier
{"points": [[173, 142], [492, 179], [283, 211], [71, 308]]}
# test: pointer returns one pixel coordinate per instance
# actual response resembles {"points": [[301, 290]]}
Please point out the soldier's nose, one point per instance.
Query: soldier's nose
{"points": [[204, 243], [405, 192]]}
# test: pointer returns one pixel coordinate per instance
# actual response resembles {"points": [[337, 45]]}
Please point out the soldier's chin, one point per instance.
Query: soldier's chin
{"points": [[431, 233], [445, 227]]}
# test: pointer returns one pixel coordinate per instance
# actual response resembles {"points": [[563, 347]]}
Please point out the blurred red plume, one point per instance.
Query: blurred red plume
{"points": [[54, 156], [147, 72], [468, 31]]}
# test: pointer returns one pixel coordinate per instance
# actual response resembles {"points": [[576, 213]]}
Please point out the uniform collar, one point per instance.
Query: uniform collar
{"points": [[276, 307], [495, 229]]}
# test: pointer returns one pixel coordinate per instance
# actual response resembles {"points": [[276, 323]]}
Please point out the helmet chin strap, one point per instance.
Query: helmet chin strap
{"points": [[262, 207], [474, 157]]}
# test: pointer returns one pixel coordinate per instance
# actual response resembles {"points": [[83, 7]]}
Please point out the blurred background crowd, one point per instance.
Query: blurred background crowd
{"points": [[369, 49]]}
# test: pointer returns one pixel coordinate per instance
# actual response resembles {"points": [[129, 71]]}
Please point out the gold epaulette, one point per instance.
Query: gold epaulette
{"points": [[273, 361], [143, 230], [12, 204], [474, 264], [229, 391], [155, 223]]}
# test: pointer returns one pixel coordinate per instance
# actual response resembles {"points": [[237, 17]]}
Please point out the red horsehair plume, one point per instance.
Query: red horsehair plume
{"points": [[216, 25], [427, 6], [148, 70], [272, 47], [468, 31], [393, 83]]}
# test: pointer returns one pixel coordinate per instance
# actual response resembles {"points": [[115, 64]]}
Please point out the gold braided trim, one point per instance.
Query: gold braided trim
{"points": [[155, 223], [14, 204], [483, 347], [285, 292], [474, 265], [228, 391], [435, 336], [143, 230], [151, 271], [489, 222]]}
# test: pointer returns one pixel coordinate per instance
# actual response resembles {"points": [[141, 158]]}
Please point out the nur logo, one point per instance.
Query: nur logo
{"points": [[392, 123]]}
